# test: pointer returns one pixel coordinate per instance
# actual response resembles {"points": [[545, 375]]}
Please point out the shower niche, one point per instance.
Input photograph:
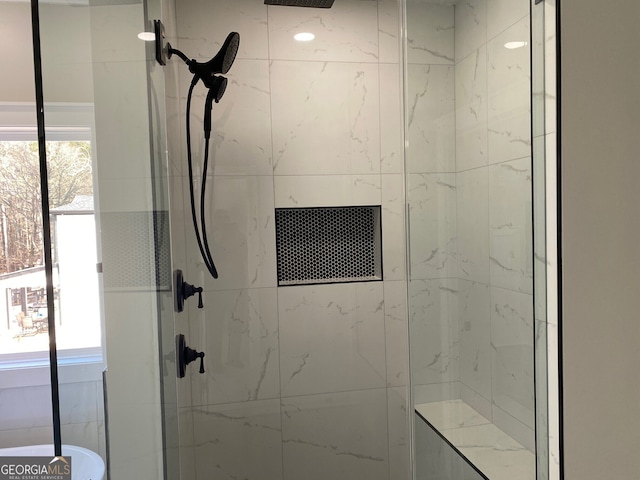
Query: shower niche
{"points": [[328, 245]]}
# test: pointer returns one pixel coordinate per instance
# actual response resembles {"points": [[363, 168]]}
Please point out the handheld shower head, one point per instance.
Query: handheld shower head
{"points": [[222, 61], [216, 90]]}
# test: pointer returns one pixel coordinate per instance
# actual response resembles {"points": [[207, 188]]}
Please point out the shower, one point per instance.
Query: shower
{"points": [[209, 73]]}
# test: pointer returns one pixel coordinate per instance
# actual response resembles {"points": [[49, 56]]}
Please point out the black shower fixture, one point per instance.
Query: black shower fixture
{"points": [[301, 3], [210, 73], [220, 63]]}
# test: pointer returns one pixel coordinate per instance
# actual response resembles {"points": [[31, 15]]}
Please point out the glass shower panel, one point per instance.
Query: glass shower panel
{"points": [[109, 213], [25, 382], [469, 183]]}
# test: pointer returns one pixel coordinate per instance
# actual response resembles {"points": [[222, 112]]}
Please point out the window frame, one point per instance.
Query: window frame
{"points": [[65, 122]]}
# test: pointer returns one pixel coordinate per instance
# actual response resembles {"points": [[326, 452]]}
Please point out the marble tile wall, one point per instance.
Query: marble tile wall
{"points": [[469, 190], [307, 381], [494, 225], [26, 415], [432, 192]]}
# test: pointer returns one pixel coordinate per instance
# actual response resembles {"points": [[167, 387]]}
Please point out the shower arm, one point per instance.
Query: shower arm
{"points": [[171, 51]]}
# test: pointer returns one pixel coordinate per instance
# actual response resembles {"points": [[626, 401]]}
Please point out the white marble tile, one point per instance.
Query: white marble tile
{"points": [[396, 333], [114, 33], [240, 123], [203, 27], [240, 345], [496, 454], [187, 445], [501, 14], [26, 436], [436, 392], [389, 31], [391, 120], [331, 338], [511, 230], [78, 402], [241, 234], [554, 402], [476, 401], [550, 66], [450, 414], [512, 354], [509, 103], [431, 120], [175, 118], [239, 440], [539, 198], [432, 225], [538, 58], [473, 225], [399, 419], [521, 433], [551, 227], [336, 435], [81, 434], [168, 15], [347, 32], [179, 221], [327, 121], [475, 337], [183, 385], [393, 227], [430, 33], [471, 111], [434, 331], [471, 26], [298, 191], [23, 408]]}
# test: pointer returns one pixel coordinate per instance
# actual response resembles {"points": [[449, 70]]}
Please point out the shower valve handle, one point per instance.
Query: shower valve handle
{"points": [[189, 290], [190, 355], [184, 290]]}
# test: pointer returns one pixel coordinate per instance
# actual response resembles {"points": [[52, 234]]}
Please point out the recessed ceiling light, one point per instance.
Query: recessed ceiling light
{"points": [[304, 36], [514, 45], [147, 36]]}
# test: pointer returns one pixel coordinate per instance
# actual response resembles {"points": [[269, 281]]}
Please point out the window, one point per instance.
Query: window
{"points": [[24, 339]]}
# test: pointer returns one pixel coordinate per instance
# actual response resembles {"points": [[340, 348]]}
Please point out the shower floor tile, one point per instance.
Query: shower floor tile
{"points": [[492, 451]]}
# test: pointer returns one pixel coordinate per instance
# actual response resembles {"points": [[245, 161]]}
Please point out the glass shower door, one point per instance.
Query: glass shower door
{"points": [[471, 284], [25, 383], [99, 77]]}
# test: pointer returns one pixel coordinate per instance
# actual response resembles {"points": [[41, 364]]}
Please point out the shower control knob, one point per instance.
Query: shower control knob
{"points": [[186, 355], [184, 290], [190, 355]]}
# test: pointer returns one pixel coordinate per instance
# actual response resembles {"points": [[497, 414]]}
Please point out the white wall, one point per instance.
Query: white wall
{"points": [[66, 56], [600, 230], [301, 382]]}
